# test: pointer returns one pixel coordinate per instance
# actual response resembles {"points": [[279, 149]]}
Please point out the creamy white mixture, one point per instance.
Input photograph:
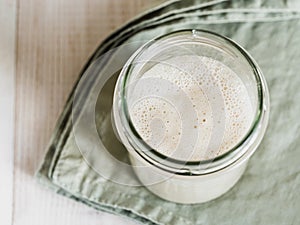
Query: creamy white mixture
{"points": [[190, 108]]}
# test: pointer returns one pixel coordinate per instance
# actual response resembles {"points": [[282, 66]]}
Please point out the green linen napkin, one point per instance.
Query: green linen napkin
{"points": [[268, 192]]}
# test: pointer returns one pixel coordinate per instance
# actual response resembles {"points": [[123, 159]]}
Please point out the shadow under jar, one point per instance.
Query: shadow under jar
{"points": [[191, 107]]}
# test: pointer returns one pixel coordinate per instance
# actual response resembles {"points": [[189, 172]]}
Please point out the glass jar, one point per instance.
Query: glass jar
{"points": [[178, 177]]}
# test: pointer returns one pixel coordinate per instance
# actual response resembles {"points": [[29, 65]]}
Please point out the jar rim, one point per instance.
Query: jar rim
{"points": [[241, 151]]}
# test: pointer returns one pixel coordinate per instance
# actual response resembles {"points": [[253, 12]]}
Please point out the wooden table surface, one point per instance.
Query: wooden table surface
{"points": [[43, 45]]}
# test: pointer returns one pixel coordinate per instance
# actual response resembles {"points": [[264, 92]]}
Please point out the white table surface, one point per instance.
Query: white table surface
{"points": [[43, 45]]}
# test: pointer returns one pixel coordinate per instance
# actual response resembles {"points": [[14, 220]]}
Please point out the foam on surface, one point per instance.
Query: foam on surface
{"points": [[191, 108]]}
